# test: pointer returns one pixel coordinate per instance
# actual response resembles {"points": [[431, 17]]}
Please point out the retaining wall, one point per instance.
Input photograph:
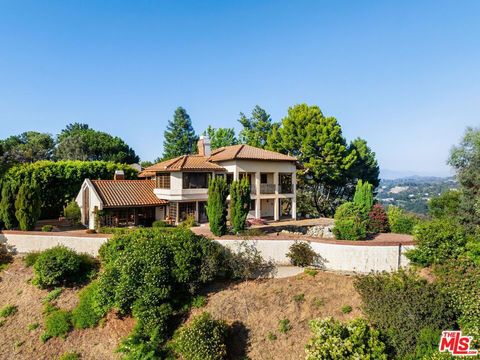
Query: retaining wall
{"points": [[361, 258]]}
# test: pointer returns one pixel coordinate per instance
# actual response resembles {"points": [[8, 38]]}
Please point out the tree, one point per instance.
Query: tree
{"points": [[80, 142], [27, 206], [27, 147], [7, 208], [239, 203], [256, 128], [180, 138], [363, 195], [465, 159], [217, 205], [446, 205], [366, 166], [220, 137]]}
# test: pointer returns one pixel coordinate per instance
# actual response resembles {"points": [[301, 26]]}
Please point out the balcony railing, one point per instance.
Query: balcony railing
{"points": [[285, 189], [267, 188]]}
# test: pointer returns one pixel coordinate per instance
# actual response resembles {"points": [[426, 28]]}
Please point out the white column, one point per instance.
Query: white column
{"points": [[257, 184], [294, 208], [258, 213], [196, 212], [276, 209], [235, 174], [294, 199], [275, 182]]}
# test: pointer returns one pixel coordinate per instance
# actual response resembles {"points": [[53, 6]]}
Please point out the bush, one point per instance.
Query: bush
{"points": [[437, 242], [70, 356], [347, 309], [400, 221], [47, 228], [217, 205], [401, 305], [354, 340], [302, 254], [53, 295], [88, 311], [447, 205], [8, 310], [350, 222], [239, 204], [189, 222], [247, 263], [160, 224], [378, 220], [7, 205], [57, 324], [27, 206], [72, 212], [30, 258], [202, 339], [62, 266], [284, 326], [363, 196]]}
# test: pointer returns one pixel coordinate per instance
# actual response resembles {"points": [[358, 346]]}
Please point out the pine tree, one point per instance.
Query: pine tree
{"points": [[7, 209], [180, 138], [239, 203], [27, 206], [363, 195], [256, 128], [217, 205]]}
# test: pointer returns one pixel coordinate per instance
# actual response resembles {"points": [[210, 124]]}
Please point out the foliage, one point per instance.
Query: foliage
{"points": [[60, 181], [160, 224], [350, 222], [256, 128], [333, 340], [378, 220], [465, 159], [347, 309], [8, 310], [246, 262], [27, 206], [239, 204], [365, 166], [363, 196], [202, 339], [400, 221], [70, 356], [220, 137], [180, 138], [53, 295], [301, 254], [7, 205], [199, 301], [446, 205], [299, 298], [47, 228], [80, 142], [461, 279], [72, 212], [437, 242], [401, 305], [284, 326], [33, 326], [27, 147], [88, 312], [189, 222], [31, 258], [57, 324], [62, 266], [217, 205]]}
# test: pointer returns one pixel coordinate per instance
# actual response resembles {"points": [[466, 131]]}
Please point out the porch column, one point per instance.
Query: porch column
{"points": [[294, 199], [294, 208], [275, 182], [258, 213], [257, 183], [235, 174], [196, 212], [276, 209]]}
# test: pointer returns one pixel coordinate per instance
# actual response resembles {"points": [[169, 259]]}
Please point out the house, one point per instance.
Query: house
{"points": [[176, 188]]}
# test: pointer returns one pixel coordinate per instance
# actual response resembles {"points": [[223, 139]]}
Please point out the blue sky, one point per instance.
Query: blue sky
{"points": [[404, 75]]}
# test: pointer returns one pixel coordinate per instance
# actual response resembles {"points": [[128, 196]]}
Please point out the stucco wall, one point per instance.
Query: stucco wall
{"points": [[339, 257]]}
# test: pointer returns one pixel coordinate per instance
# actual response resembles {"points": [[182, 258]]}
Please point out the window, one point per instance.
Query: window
{"points": [[163, 181], [263, 178], [229, 178], [186, 209], [286, 183], [252, 205], [195, 180]]}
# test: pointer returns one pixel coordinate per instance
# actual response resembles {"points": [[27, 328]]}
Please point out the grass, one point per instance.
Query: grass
{"points": [[2, 322], [33, 326], [252, 232], [284, 326], [8, 310], [318, 302], [48, 308], [53, 295], [30, 258], [70, 356], [19, 343], [346, 309], [311, 272], [271, 336], [58, 324], [299, 298], [199, 301]]}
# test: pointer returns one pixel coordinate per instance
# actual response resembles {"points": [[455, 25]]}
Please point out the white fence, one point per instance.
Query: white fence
{"points": [[340, 257]]}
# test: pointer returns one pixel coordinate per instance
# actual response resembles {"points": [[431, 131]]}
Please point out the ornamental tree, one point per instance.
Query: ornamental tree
{"points": [[239, 203], [27, 206], [7, 206], [180, 137], [217, 205]]}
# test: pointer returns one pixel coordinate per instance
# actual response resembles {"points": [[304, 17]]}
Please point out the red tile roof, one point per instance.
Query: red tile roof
{"points": [[120, 193], [182, 163], [247, 152]]}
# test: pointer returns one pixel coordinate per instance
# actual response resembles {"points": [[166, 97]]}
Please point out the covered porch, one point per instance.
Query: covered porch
{"points": [[130, 216]]}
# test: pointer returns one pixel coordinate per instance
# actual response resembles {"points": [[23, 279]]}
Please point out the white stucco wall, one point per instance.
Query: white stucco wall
{"points": [[337, 257], [94, 201]]}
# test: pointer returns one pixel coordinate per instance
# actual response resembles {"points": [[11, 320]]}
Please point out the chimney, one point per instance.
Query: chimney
{"points": [[119, 175], [204, 146]]}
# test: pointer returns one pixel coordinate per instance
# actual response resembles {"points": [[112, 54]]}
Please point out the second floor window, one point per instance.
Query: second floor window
{"points": [[162, 181], [195, 180]]}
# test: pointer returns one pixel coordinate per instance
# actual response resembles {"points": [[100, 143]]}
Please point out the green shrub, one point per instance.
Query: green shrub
{"points": [[189, 222], [246, 262], [217, 205], [350, 222], [70, 356], [347, 309], [354, 340], [271, 336], [239, 204], [58, 324], [47, 228], [8, 310], [437, 241], [88, 311], [27, 206], [7, 205], [299, 298], [301, 254], [33, 326], [30, 258], [400, 221], [284, 326], [446, 205], [72, 212], [401, 305], [202, 339], [199, 301], [53, 295], [62, 266], [311, 272], [160, 224], [363, 196]]}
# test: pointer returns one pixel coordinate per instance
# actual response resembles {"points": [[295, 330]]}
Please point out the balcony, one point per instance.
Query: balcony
{"points": [[267, 188], [285, 189]]}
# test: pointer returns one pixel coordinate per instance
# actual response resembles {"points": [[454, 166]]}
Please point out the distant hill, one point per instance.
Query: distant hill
{"points": [[413, 192], [400, 174]]}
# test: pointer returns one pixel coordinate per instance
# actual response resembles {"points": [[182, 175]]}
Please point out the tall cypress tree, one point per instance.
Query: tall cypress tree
{"points": [[239, 203], [217, 206], [180, 137], [27, 206], [363, 195], [7, 207]]}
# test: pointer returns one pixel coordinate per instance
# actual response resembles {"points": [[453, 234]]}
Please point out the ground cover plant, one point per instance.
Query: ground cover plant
{"points": [[302, 254]]}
